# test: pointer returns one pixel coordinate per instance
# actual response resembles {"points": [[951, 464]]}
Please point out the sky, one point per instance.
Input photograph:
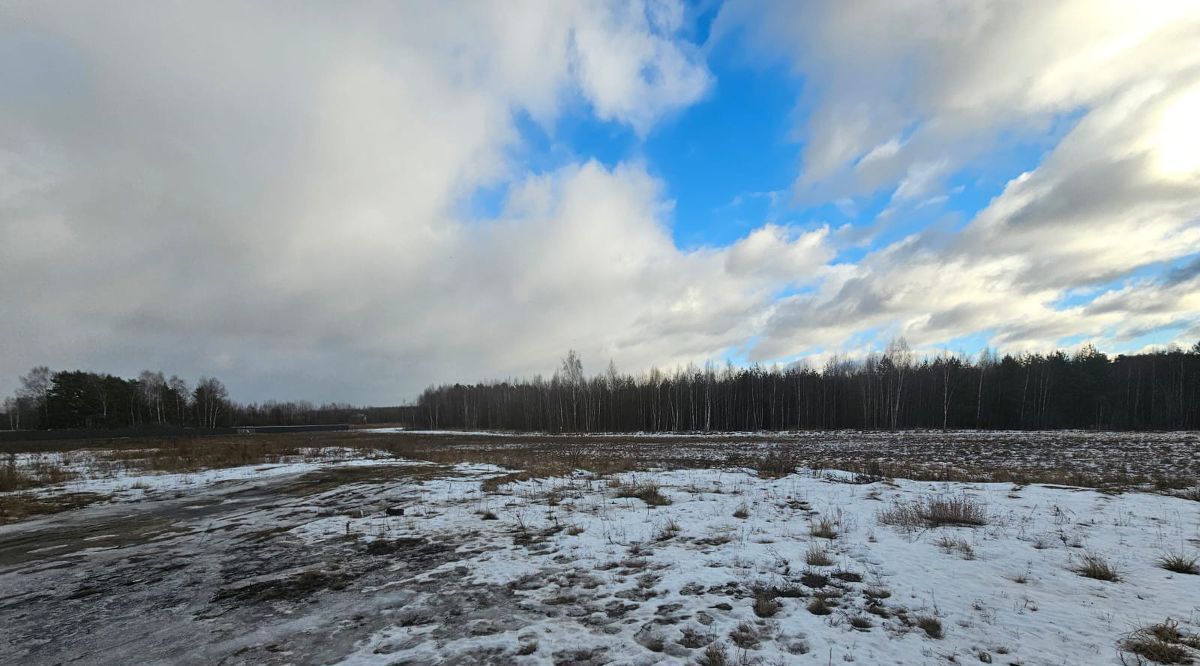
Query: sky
{"points": [[352, 201]]}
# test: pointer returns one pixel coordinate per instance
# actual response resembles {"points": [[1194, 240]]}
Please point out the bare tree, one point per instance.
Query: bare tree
{"points": [[151, 387], [210, 399], [35, 387]]}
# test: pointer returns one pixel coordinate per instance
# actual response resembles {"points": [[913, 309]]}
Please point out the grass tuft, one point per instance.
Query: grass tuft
{"points": [[960, 511], [1094, 566], [1180, 563], [647, 492], [715, 654], [817, 557], [931, 626], [825, 529], [765, 605], [1161, 643], [819, 606]]}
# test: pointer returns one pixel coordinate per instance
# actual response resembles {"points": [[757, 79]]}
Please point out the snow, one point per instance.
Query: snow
{"points": [[568, 571], [94, 472], [1035, 535]]}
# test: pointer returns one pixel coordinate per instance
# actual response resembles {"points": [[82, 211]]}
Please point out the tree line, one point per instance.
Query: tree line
{"points": [[1088, 389], [88, 400]]}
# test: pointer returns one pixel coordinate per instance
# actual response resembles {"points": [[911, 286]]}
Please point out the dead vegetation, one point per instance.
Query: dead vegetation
{"points": [[931, 626], [23, 506], [930, 512], [1180, 563], [824, 529], [14, 478], [716, 654], [816, 556], [1161, 643], [1094, 566], [647, 492]]}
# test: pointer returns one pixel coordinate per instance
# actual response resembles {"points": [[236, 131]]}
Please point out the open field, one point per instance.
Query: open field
{"points": [[394, 548]]}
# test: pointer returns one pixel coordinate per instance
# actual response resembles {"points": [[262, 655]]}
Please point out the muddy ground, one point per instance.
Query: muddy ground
{"points": [[227, 574], [210, 576]]}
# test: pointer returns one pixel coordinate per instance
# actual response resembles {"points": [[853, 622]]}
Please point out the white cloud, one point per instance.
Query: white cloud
{"points": [[1118, 193], [277, 196]]}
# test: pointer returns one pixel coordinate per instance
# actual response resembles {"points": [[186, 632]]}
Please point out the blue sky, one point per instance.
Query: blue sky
{"points": [[354, 201]]}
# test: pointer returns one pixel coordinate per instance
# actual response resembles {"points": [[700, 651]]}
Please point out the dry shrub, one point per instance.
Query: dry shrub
{"points": [[959, 511], [743, 511]]}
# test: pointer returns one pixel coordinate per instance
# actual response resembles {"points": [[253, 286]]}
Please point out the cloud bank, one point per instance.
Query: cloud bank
{"points": [[282, 196]]}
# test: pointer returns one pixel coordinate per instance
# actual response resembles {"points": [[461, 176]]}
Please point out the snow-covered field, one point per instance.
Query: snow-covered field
{"points": [[610, 578], [336, 558]]}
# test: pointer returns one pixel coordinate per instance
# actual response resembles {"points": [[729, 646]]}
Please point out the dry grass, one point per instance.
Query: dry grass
{"points": [[647, 492], [1094, 566], [1161, 643], [817, 556], [929, 512], [716, 654], [1180, 563], [931, 626], [1190, 494], [22, 506], [742, 511], [765, 605], [824, 529], [13, 478], [777, 463], [819, 606], [949, 544]]}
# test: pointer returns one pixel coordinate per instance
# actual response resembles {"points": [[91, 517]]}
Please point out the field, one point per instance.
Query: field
{"points": [[384, 547]]}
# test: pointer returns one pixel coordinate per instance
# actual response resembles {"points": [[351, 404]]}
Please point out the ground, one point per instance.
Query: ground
{"points": [[465, 549]]}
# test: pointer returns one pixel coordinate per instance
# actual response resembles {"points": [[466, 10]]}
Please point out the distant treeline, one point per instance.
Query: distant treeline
{"points": [[89, 400], [1087, 390]]}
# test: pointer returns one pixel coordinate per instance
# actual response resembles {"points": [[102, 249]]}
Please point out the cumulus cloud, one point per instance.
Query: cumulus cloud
{"points": [[282, 197], [277, 196], [904, 95]]}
